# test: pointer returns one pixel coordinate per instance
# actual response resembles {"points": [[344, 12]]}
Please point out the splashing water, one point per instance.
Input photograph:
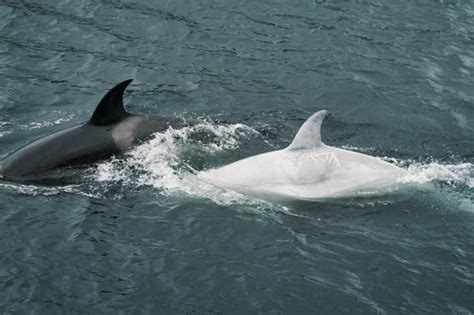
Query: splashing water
{"points": [[451, 173], [159, 163], [421, 173]]}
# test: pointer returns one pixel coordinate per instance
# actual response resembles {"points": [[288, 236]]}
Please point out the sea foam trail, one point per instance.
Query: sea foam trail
{"points": [[451, 173], [160, 162], [420, 173]]}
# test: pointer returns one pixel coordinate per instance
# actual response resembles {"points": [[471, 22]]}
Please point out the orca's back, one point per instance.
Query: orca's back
{"points": [[72, 146]]}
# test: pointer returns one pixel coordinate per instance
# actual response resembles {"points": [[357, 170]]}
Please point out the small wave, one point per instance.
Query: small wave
{"points": [[159, 163], [462, 173], [34, 190], [431, 171], [2, 125], [454, 182], [47, 123], [4, 133]]}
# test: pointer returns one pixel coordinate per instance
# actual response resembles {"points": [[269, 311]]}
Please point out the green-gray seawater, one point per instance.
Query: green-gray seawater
{"points": [[140, 234]]}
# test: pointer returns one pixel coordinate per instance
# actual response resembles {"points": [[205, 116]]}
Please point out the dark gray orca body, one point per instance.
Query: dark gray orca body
{"points": [[111, 130]]}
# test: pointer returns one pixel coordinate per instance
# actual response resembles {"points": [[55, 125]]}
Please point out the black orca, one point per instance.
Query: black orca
{"points": [[110, 131]]}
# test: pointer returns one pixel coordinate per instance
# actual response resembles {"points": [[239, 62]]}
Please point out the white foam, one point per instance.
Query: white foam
{"points": [[420, 173], [158, 163], [431, 171], [33, 190], [47, 123], [2, 125]]}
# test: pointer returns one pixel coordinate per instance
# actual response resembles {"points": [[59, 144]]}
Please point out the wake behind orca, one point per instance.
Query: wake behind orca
{"points": [[110, 130]]}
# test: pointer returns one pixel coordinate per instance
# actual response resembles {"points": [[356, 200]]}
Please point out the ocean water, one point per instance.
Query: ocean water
{"points": [[139, 233]]}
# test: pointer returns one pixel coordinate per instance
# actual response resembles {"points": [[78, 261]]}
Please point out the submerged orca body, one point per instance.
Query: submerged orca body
{"points": [[111, 130], [307, 170]]}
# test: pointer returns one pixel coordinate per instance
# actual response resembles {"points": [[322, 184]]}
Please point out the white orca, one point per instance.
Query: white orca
{"points": [[307, 170]]}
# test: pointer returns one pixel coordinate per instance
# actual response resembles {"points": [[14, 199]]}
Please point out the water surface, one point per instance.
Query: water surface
{"points": [[140, 234]]}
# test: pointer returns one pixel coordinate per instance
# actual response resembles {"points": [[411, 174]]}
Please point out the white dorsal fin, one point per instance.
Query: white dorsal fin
{"points": [[309, 135]]}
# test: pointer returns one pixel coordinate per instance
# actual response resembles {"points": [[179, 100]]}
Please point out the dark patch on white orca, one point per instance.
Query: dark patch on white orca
{"points": [[110, 130]]}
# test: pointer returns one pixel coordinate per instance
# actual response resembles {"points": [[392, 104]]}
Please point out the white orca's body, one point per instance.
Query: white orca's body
{"points": [[307, 170]]}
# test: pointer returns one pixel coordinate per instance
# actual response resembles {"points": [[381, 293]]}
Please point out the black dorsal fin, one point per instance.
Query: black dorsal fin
{"points": [[110, 108]]}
